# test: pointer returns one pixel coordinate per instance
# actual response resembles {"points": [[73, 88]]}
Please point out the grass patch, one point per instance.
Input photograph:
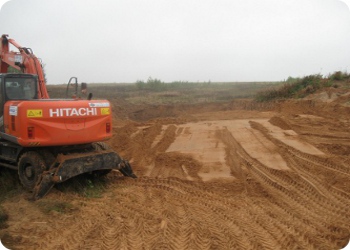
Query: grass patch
{"points": [[9, 183], [84, 185], [9, 187], [47, 206]]}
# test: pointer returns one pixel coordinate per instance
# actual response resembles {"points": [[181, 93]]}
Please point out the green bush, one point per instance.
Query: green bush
{"points": [[293, 88], [339, 76], [140, 84], [151, 84]]}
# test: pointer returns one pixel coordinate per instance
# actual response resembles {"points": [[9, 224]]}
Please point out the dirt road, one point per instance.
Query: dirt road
{"points": [[211, 177]]}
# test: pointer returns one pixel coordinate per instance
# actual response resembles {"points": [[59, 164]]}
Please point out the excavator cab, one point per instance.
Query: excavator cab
{"points": [[16, 87], [20, 87]]}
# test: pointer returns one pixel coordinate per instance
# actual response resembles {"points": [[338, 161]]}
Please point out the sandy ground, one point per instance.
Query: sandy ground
{"points": [[216, 176]]}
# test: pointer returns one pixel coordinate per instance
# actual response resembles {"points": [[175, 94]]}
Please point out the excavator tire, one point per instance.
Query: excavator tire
{"points": [[101, 146], [30, 167]]}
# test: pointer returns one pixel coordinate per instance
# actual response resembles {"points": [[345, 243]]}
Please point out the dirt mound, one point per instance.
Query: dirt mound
{"points": [[279, 122]]}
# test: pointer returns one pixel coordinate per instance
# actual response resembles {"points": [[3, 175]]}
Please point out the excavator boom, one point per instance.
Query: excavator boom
{"points": [[23, 60]]}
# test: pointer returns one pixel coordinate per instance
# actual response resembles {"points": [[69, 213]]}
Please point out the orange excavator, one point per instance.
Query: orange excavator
{"points": [[50, 140]]}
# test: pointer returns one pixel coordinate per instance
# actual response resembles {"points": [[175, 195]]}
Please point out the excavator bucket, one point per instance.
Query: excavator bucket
{"points": [[44, 185], [126, 169], [68, 166]]}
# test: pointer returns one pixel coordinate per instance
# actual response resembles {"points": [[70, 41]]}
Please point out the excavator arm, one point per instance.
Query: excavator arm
{"points": [[23, 60]]}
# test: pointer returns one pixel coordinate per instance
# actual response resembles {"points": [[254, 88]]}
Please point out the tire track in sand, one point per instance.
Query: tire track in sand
{"points": [[298, 196]]}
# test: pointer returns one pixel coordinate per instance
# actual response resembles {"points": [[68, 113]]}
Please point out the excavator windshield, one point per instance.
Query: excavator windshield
{"points": [[21, 88]]}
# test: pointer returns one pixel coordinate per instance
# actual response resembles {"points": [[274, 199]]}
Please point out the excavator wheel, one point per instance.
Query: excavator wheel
{"points": [[100, 146], [30, 167]]}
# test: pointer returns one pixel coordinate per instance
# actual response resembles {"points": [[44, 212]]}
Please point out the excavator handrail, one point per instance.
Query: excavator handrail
{"points": [[70, 85]]}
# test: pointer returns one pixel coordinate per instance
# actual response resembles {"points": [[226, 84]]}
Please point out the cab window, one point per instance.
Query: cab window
{"points": [[21, 88]]}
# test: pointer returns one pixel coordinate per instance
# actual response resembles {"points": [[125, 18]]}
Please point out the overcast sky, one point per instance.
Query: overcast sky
{"points": [[181, 40]]}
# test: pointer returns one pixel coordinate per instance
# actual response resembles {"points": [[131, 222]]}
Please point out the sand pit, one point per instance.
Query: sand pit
{"points": [[225, 179]]}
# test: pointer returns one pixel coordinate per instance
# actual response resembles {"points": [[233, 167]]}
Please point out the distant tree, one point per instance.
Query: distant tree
{"points": [[140, 84], [16, 71], [338, 76], [13, 70]]}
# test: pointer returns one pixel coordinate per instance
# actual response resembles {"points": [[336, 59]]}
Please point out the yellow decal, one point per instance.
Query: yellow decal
{"points": [[34, 113], [34, 144], [104, 111]]}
